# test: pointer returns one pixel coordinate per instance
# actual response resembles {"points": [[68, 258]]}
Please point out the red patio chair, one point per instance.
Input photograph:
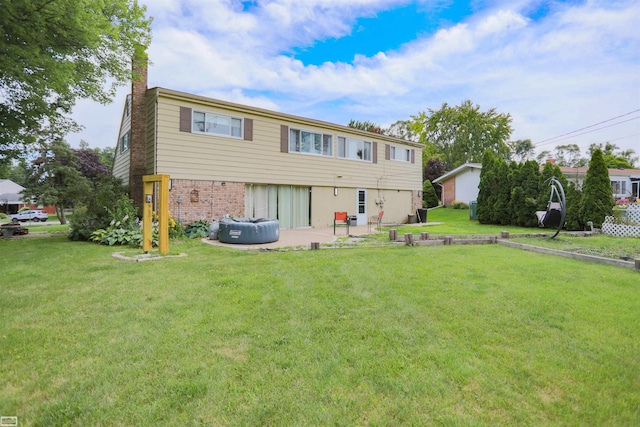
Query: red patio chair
{"points": [[340, 219], [377, 220]]}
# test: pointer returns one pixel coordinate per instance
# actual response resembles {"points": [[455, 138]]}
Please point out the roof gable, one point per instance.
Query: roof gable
{"points": [[457, 171]]}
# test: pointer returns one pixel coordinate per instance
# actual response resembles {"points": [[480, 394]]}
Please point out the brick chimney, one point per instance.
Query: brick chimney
{"points": [[137, 148], [551, 160]]}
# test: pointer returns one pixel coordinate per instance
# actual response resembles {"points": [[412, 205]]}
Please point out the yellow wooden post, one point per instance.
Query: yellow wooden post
{"points": [[163, 213], [147, 215]]}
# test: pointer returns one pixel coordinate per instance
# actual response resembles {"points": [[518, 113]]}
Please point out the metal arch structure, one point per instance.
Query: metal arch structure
{"points": [[556, 213]]}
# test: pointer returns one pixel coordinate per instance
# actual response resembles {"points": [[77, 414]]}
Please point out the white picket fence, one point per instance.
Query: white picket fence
{"points": [[631, 226]]}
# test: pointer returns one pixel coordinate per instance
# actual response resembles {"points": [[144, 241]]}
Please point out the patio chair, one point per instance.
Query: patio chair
{"points": [[376, 219], [555, 215], [340, 219]]}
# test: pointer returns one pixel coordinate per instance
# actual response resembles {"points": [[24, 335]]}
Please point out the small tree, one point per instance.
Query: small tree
{"points": [[487, 189], [597, 199], [56, 179], [574, 196], [429, 196], [501, 212], [524, 193], [97, 209]]}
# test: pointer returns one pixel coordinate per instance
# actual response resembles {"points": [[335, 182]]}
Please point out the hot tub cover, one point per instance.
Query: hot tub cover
{"points": [[248, 231]]}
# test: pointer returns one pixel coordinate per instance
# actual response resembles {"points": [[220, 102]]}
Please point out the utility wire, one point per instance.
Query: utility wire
{"points": [[586, 127], [552, 140]]}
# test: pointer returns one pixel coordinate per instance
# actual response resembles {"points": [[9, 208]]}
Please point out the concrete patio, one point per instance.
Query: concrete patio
{"points": [[302, 237]]}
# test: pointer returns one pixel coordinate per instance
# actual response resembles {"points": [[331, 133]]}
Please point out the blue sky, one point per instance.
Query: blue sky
{"points": [[554, 66], [384, 31]]}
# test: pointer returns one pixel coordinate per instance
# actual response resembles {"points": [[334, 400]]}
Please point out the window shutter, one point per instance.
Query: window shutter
{"points": [[387, 152], [185, 119], [248, 129], [284, 138], [374, 157], [413, 156]]}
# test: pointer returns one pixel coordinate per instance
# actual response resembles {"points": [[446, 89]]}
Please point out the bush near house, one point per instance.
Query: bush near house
{"points": [[429, 196], [597, 200], [511, 194]]}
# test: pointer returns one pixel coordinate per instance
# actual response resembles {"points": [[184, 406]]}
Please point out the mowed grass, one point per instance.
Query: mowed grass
{"points": [[456, 335], [456, 221], [627, 248]]}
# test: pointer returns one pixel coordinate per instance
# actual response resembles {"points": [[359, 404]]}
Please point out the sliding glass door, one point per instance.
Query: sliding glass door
{"points": [[289, 204]]}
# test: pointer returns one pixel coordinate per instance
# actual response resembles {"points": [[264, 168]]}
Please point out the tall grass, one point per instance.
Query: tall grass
{"points": [[384, 336]]}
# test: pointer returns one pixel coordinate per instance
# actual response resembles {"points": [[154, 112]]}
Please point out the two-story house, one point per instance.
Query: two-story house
{"points": [[231, 159]]}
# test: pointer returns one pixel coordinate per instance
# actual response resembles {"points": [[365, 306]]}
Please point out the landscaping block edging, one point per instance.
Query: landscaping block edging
{"points": [[144, 257], [591, 258], [429, 240]]}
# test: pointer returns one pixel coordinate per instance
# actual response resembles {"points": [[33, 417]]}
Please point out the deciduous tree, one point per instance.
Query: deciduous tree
{"points": [[463, 133], [522, 149], [615, 158], [55, 52], [569, 155], [55, 178]]}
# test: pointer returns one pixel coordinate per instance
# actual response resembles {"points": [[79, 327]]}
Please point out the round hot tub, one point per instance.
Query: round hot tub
{"points": [[249, 231]]}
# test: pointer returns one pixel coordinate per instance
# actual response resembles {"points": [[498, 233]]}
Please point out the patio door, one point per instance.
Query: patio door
{"points": [[361, 206], [289, 204]]}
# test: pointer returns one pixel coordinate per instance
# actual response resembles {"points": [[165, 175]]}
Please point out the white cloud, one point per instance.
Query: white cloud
{"points": [[578, 65]]}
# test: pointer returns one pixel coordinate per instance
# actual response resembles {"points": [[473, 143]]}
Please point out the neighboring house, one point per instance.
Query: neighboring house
{"points": [[10, 197], [462, 183], [625, 183], [12, 200], [230, 159]]}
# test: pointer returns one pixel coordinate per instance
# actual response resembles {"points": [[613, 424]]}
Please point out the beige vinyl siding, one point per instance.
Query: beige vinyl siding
{"points": [[324, 203], [185, 155], [150, 153], [121, 160]]}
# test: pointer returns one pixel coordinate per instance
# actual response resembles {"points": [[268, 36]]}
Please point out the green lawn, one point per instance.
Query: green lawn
{"points": [[456, 335], [456, 221]]}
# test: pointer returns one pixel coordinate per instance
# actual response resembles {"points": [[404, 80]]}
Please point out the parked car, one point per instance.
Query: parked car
{"points": [[34, 215]]}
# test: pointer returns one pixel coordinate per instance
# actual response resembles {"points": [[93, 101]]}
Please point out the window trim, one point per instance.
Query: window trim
{"points": [[216, 114], [345, 151], [619, 184], [392, 154], [310, 153], [122, 139]]}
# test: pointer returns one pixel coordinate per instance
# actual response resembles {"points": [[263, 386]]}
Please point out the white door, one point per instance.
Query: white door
{"points": [[361, 206]]}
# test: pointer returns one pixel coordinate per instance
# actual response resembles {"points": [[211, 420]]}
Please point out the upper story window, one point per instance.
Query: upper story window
{"points": [[217, 124], [310, 142], [124, 142], [354, 149], [400, 154]]}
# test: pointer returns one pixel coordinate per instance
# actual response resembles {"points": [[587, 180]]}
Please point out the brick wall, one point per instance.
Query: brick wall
{"points": [[205, 200], [449, 191], [137, 148]]}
